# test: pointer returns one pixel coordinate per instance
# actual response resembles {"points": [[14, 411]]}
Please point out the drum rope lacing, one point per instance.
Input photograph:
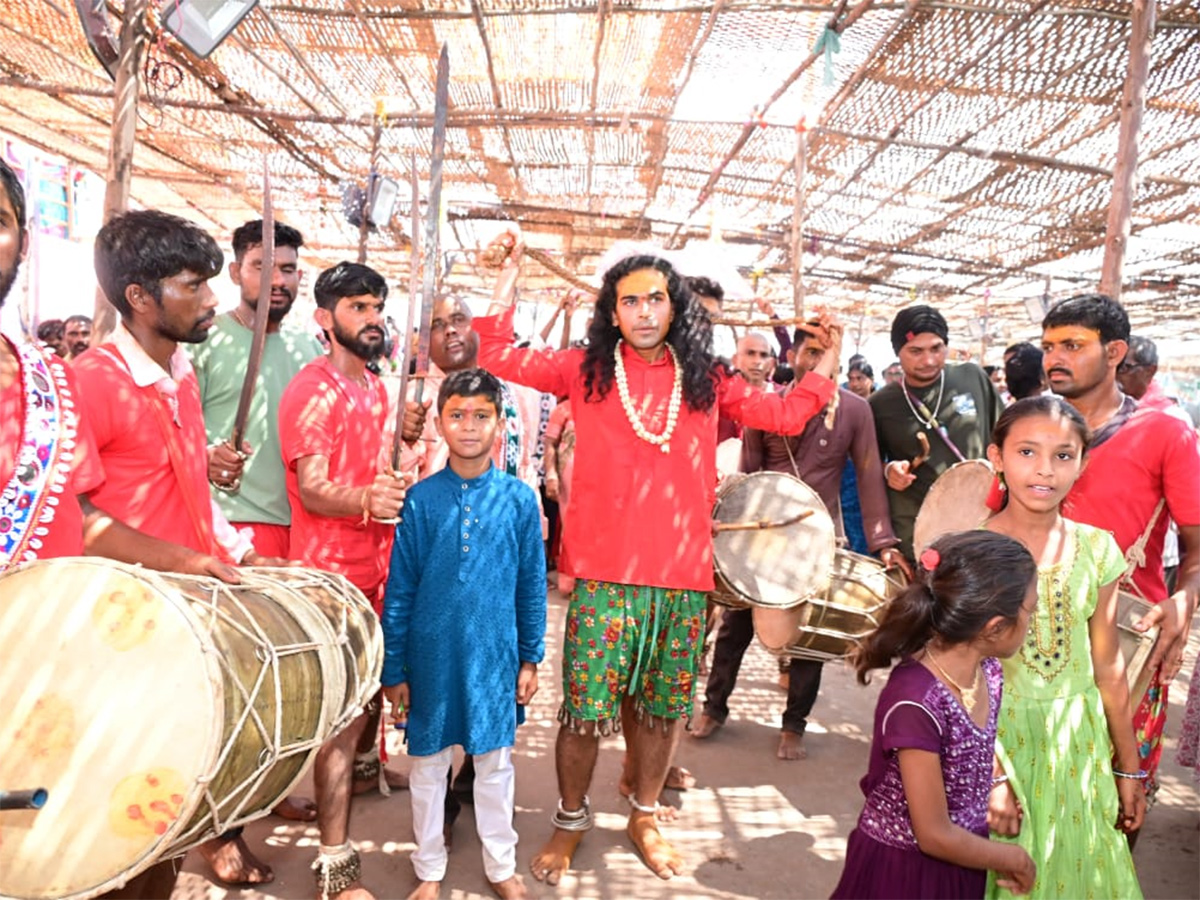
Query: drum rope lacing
{"points": [[662, 441]]}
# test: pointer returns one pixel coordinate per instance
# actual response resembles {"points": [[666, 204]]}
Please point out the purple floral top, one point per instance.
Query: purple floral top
{"points": [[917, 711]]}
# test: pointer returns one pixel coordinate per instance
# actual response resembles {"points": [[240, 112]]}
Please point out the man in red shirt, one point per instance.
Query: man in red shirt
{"points": [[331, 429], [1142, 469], [646, 393]]}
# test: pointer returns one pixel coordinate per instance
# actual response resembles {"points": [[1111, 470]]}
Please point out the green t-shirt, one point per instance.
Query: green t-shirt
{"points": [[220, 368], [969, 408]]}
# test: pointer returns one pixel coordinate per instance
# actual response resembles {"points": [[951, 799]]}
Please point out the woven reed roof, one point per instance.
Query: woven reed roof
{"points": [[961, 154]]}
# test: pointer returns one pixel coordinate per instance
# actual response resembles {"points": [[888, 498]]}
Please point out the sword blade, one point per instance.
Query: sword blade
{"points": [[262, 313], [414, 289], [432, 216]]}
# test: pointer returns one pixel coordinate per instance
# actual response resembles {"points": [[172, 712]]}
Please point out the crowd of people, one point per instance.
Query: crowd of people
{"points": [[1006, 742]]}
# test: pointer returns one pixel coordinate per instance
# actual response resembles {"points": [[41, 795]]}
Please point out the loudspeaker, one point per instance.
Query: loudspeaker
{"points": [[200, 25], [99, 36]]}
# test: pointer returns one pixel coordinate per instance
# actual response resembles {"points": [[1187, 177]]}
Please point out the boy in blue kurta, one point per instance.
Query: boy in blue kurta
{"points": [[464, 621]]}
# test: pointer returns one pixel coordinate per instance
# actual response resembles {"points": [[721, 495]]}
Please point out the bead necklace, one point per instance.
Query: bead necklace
{"points": [[932, 421], [662, 441], [968, 694]]}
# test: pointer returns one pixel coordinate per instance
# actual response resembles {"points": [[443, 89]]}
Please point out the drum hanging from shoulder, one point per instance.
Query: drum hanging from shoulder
{"points": [[957, 501], [829, 626], [160, 709], [1136, 646], [774, 543]]}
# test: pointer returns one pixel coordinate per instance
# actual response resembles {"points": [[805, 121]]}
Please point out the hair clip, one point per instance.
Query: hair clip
{"points": [[930, 559]]}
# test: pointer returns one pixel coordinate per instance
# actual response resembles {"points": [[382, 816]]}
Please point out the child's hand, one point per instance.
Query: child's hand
{"points": [[1004, 812], [397, 698], [1133, 805], [526, 683], [1019, 875]]}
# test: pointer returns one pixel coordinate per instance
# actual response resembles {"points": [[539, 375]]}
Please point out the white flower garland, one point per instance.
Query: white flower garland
{"points": [[662, 441]]}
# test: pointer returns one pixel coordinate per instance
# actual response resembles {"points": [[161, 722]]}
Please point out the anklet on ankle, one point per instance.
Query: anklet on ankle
{"points": [[575, 819], [632, 798], [336, 868]]}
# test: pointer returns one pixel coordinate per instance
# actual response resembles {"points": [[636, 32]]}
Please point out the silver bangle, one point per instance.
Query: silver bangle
{"points": [[1139, 775], [999, 779]]}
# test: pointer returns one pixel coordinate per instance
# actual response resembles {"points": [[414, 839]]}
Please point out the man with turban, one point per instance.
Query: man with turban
{"points": [[954, 407]]}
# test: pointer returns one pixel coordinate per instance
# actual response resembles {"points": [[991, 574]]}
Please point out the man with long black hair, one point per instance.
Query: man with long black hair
{"points": [[646, 392]]}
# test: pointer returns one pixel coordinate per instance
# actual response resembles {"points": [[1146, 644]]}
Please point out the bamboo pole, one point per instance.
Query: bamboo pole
{"points": [[801, 164], [1133, 103], [133, 38]]}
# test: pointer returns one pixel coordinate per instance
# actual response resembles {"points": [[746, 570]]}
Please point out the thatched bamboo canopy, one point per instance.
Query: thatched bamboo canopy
{"points": [[958, 152]]}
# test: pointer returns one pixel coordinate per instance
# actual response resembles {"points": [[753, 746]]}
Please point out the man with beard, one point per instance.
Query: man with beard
{"points": [[954, 407], [1142, 469], [331, 429], [646, 394], [77, 333], [139, 397]]}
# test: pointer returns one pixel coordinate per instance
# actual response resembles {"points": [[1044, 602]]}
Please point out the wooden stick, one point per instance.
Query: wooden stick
{"points": [[923, 455], [760, 524]]}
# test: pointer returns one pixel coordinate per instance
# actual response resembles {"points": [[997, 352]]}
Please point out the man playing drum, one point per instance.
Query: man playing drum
{"points": [[952, 407], [646, 394], [817, 457], [1143, 469]]}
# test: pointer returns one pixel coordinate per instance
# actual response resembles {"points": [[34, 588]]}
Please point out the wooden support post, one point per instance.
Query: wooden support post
{"points": [[133, 38], [798, 222], [1133, 103]]}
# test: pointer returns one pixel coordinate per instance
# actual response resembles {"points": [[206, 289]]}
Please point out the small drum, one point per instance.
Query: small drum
{"points": [[1136, 646], [957, 501], [162, 709], [774, 544], [829, 627]]}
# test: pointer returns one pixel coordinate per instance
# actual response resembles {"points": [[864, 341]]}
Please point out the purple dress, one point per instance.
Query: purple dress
{"points": [[916, 711]]}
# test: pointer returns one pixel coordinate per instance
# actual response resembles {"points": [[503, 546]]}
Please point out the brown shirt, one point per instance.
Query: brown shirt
{"points": [[821, 454]]}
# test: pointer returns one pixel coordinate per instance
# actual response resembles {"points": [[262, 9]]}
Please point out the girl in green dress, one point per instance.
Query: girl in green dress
{"points": [[1067, 781]]}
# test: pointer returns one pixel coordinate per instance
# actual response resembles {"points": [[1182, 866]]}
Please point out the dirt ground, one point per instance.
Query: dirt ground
{"points": [[753, 827]]}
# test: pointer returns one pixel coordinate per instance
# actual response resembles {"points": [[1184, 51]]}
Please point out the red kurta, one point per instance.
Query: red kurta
{"points": [[638, 515], [1152, 455], [67, 456], [324, 413], [153, 446]]}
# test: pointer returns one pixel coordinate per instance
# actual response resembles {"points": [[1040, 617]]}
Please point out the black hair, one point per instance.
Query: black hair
{"points": [[1051, 406], [705, 287], [472, 383], [1142, 351], [16, 193], [978, 575], [51, 329], [348, 279], [863, 366], [78, 317], [690, 334], [145, 246], [1023, 370], [1098, 312], [251, 235]]}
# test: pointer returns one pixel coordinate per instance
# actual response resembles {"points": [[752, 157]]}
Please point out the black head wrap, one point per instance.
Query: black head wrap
{"points": [[917, 320]]}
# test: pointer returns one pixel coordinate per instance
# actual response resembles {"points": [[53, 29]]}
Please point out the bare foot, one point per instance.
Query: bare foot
{"points": [[555, 858], [510, 888], [397, 781], [233, 863], [296, 809], [704, 727], [355, 892], [426, 890], [656, 852], [791, 746], [679, 779]]}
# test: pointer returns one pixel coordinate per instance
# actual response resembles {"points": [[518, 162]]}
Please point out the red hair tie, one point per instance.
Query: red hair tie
{"points": [[930, 559]]}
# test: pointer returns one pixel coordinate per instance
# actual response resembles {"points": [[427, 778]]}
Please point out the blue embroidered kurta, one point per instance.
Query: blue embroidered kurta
{"points": [[465, 606]]}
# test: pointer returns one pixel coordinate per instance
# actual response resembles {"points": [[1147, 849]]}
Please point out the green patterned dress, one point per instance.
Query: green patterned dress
{"points": [[1053, 735]]}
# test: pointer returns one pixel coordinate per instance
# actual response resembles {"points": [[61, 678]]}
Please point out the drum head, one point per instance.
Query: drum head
{"points": [[112, 705], [956, 502], [776, 566]]}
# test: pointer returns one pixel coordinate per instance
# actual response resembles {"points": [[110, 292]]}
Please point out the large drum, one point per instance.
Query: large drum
{"points": [[830, 626], [774, 543], [957, 501], [160, 710]]}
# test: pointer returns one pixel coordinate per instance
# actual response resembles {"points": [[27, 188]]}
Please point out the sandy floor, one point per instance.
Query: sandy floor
{"points": [[754, 827]]}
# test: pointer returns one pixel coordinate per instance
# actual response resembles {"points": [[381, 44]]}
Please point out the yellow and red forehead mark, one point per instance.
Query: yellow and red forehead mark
{"points": [[640, 282]]}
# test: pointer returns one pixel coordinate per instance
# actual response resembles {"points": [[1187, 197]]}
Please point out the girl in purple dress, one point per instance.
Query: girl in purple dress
{"points": [[923, 830]]}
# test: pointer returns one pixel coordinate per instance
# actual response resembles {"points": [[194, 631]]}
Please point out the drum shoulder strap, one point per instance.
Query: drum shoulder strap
{"points": [[1135, 556]]}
